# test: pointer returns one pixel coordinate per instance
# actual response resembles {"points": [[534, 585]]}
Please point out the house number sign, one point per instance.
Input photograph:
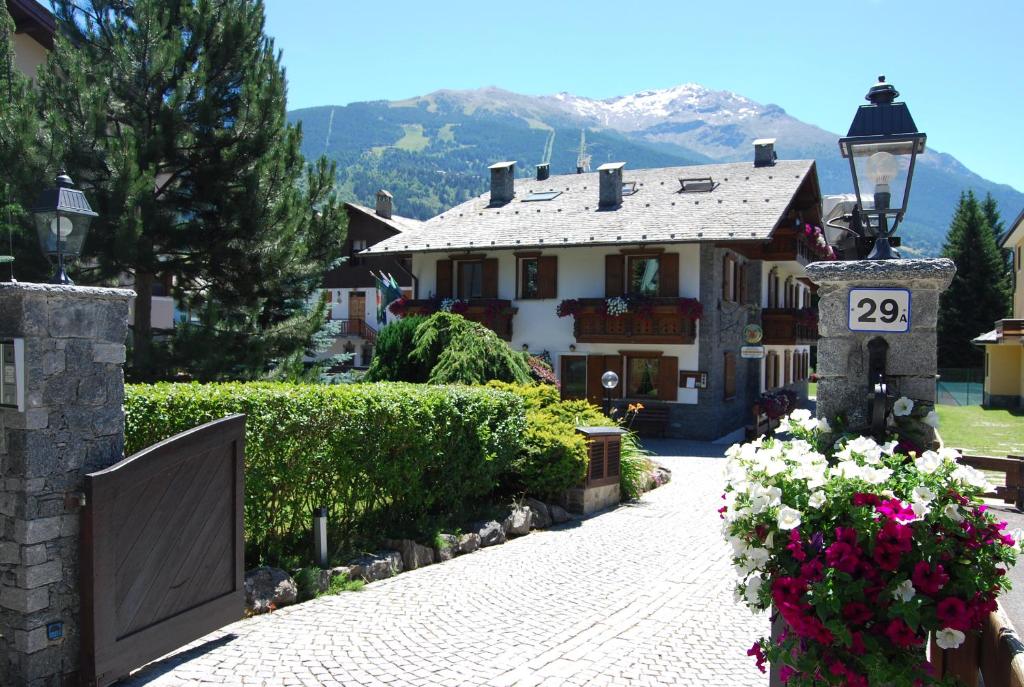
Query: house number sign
{"points": [[880, 310]]}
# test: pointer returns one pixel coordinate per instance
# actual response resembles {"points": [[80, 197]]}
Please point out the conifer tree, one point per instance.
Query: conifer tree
{"points": [[977, 297], [990, 207], [173, 114]]}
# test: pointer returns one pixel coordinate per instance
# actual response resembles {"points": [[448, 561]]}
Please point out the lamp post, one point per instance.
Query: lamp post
{"points": [[62, 215], [882, 145], [609, 380]]}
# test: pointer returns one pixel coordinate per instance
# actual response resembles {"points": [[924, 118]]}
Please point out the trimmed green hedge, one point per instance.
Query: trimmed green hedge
{"points": [[385, 458]]}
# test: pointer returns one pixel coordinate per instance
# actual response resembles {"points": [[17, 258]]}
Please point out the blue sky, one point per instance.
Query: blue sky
{"points": [[958, 65]]}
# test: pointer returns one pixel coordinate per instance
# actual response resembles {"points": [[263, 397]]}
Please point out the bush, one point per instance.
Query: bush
{"points": [[634, 468], [391, 359], [394, 458]]}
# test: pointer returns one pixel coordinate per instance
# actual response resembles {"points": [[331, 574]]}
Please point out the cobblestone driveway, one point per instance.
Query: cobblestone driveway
{"points": [[637, 596]]}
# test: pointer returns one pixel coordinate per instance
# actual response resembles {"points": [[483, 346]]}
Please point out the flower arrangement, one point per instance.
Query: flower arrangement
{"points": [[541, 369], [570, 307], [862, 550], [777, 404], [616, 306], [818, 243], [690, 309], [454, 305]]}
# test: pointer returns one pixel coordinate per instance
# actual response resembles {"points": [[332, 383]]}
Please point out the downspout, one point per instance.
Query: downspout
{"points": [[415, 281]]}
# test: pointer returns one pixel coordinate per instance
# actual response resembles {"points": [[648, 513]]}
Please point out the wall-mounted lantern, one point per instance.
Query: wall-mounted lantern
{"points": [[62, 216]]}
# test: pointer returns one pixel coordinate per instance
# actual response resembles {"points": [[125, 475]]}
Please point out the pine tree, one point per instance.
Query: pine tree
{"points": [[990, 208], [975, 299], [23, 163], [173, 114]]}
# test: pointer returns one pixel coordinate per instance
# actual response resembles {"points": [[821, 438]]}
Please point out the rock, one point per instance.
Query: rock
{"points": [[378, 566], [540, 516], [413, 555], [661, 475], [558, 514], [491, 532], [518, 522], [446, 547], [468, 543], [267, 589]]}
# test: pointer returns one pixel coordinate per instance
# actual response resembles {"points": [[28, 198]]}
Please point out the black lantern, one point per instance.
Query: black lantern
{"points": [[62, 217], [882, 145]]}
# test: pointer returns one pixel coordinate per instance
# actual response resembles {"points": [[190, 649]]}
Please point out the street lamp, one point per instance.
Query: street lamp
{"points": [[609, 380], [62, 216], [882, 145]]}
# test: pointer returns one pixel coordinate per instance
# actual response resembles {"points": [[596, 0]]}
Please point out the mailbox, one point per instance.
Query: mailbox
{"points": [[12, 373]]}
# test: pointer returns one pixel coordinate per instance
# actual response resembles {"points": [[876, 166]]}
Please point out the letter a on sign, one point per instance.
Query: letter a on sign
{"points": [[880, 310]]}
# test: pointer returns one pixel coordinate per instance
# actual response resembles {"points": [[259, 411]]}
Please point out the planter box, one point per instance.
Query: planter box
{"points": [[600, 489]]}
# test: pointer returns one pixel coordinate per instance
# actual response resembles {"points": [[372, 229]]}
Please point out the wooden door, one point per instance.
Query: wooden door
{"points": [[357, 305]]}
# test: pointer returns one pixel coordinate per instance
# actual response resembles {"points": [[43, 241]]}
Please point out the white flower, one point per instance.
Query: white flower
{"points": [[953, 513], [1017, 535], [968, 475], [950, 454], [889, 447], [824, 426], [866, 447], [757, 557], [931, 419], [763, 498], [754, 584], [739, 546], [774, 467], [799, 415], [617, 305], [923, 494], [788, 518], [902, 407], [920, 509], [928, 462], [847, 470], [876, 475], [948, 638], [816, 500], [904, 591]]}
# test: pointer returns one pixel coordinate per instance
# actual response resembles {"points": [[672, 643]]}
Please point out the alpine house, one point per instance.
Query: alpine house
{"points": [[662, 276]]}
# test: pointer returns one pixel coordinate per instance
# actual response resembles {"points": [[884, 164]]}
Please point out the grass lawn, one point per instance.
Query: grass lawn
{"points": [[812, 389], [982, 432]]}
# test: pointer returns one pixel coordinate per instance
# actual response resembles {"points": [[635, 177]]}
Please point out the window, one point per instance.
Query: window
{"points": [[357, 246], [574, 376], [697, 185], [643, 275], [642, 377], [471, 278], [730, 376], [733, 280], [628, 188], [541, 195], [529, 275]]}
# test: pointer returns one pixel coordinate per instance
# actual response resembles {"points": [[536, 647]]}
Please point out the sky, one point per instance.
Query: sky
{"points": [[958, 65]]}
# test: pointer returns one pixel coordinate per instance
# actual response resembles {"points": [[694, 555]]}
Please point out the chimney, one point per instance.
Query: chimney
{"points": [[503, 176], [610, 176], [385, 204], [543, 171], [764, 152]]}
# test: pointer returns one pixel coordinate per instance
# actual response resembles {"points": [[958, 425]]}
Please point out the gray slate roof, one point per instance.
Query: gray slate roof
{"points": [[396, 222], [746, 205]]}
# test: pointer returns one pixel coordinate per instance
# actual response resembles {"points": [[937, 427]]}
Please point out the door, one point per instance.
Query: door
{"points": [[357, 306]]}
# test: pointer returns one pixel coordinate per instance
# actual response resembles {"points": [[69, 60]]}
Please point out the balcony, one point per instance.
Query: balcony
{"points": [[789, 326], [789, 247], [493, 313], [1009, 328], [659, 321], [357, 328]]}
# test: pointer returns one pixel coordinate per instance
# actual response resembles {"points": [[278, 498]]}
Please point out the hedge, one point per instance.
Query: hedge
{"points": [[385, 458]]}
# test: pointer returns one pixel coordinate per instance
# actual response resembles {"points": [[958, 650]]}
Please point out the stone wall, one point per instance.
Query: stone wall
{"points": [[72, 424], [843, 354]]}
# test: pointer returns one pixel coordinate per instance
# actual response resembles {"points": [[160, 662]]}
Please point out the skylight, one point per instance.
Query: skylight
{"points": [[541, 195], [697, 185], [628, 188]]}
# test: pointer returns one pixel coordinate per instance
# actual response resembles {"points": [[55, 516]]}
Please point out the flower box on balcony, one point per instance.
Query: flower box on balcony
{"points": [[633, 320]]}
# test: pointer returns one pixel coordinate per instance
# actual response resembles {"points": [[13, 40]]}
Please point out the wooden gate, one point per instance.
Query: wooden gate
{"points": [[162, 549]]}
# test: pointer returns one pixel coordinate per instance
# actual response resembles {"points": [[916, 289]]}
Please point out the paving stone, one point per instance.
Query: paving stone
{"points": [[641, 595]]}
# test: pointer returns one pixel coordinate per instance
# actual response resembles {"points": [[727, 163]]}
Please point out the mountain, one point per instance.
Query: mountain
{"points": [[432, 151]]}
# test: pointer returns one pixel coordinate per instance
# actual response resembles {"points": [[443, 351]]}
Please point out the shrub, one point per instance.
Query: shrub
{"points": [[634, 468], [459, 351], [391, 359], [382, 457]]}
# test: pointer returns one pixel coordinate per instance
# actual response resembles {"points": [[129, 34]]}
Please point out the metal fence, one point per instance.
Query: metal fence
{"points": [[960, 386]]}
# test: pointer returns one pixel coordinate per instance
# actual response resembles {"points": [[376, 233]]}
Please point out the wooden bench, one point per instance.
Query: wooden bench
{"points": [[1012, 468], [762, 424], [652, 420]]}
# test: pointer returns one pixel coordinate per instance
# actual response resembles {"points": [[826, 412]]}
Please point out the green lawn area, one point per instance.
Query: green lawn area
{"points": [[982, 432], [812, 389]]}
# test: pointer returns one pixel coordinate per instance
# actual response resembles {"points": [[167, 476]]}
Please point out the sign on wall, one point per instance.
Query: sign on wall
{"points": [[752, 352], [693, 380], [880, 310]]}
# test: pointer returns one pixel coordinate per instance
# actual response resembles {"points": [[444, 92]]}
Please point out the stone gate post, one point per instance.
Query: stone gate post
{"points": [[62, 349], [893, 301]]}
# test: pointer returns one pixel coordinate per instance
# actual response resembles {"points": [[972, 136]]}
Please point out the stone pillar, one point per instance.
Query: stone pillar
{"points": [[70, 422], [911, 361]]}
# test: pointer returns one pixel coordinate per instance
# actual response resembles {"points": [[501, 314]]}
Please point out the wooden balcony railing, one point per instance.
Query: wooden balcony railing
{"points": [[494, 313], [1009, 328], [357, 328], [788, 326], [789, 247], [660, 322]]}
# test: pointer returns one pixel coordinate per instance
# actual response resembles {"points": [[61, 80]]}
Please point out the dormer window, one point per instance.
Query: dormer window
{"points": [[629, 188], [541, 195], [697, 185]]}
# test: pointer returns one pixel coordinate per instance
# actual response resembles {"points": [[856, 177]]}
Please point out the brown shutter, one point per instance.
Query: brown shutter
{"points": [[668, 275], [725, 278], [614, 363], [614, 275], [741, 288], [490, 285], [730, 375], [595, 368], [547, 277], [444, 279], [668, 378]]}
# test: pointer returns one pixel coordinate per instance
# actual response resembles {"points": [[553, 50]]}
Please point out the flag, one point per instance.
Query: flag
{"points": [[388, 292]]}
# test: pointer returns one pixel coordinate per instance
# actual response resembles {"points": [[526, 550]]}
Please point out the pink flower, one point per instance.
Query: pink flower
{"points": [[856, 613], [900, 634], [788, 590], [864, 499], [927, 579], [785, 673], [952, 612], [857, 647], [895, 510], [843, 557], [896, 536], [795, 546], [887, 557], [812, 571], [757, 652]]}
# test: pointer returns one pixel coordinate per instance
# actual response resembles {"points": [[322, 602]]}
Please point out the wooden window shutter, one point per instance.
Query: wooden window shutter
{"points": [[668, 377], [547, 277], [741, 287], [730, 375], [595, 368], [725, 278], [614, 275], [444, 279], [668, 275], [490, 285]]}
